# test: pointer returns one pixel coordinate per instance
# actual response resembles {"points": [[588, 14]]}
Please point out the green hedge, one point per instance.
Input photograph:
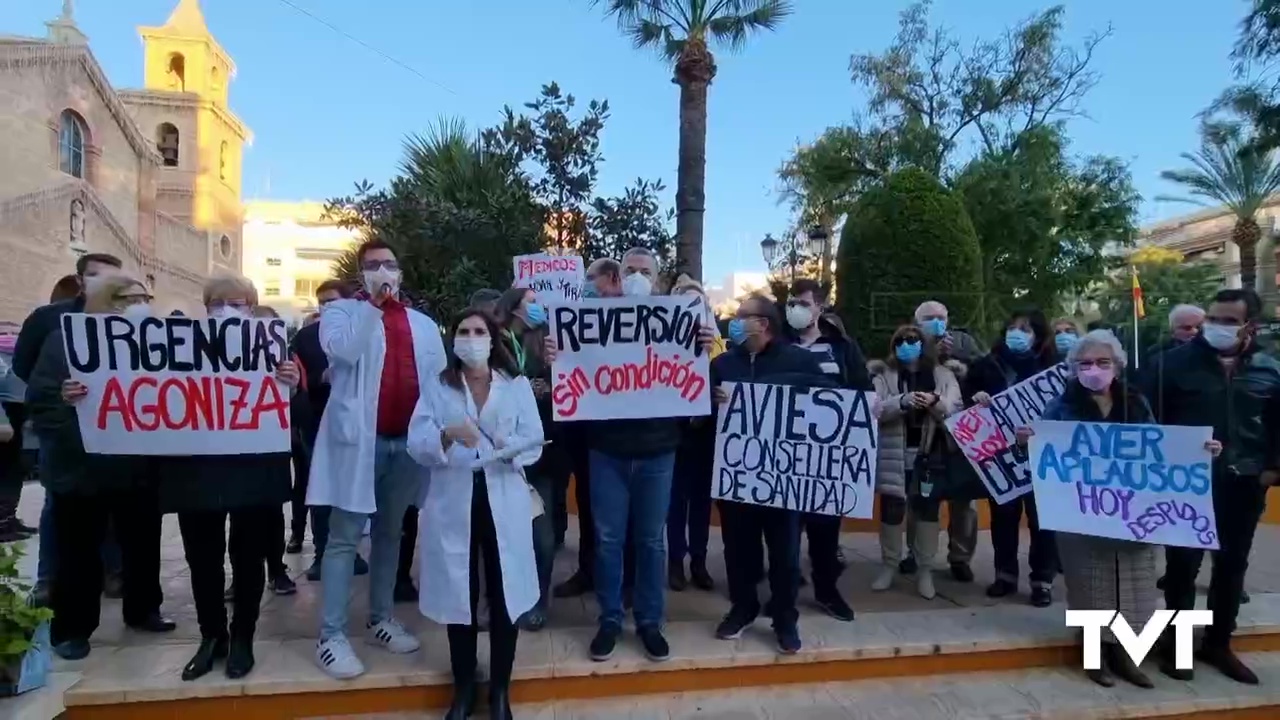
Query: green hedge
{"points": [[907, 240]]}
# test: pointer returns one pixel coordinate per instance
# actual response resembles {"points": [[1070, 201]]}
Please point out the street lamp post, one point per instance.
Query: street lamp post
{"points": [[795, 248]]}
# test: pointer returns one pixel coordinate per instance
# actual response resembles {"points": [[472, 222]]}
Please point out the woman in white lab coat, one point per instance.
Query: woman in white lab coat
{"points": [[477, 427]]}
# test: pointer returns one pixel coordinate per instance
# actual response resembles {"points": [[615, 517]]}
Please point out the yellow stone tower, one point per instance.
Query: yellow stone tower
{"points": [[184, 107]]}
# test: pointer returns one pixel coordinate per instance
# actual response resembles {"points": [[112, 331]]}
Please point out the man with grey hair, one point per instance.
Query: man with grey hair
{"points": [[1184, 325], [932, 317]]}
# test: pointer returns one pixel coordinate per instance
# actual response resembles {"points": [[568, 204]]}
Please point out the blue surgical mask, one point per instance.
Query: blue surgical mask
{"points": [[1019, 341], [589, 291], [909, 352], [936, 327], [1065, 341], [535, 314], [737, 331]]}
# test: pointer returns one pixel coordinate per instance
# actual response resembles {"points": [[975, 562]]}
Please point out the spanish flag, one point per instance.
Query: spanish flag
{"points": [[1139, 308]]}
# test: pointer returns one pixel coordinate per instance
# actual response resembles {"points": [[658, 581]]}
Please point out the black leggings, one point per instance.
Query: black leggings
{"points": [[502, 630]]}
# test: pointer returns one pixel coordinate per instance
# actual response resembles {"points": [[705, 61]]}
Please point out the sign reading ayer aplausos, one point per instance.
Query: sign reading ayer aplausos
{"points": [[806, 449], [986, 434]]}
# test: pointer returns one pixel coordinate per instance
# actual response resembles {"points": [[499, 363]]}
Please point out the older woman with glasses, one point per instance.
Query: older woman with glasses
{"points": [[1104, 573], [92, 489]]}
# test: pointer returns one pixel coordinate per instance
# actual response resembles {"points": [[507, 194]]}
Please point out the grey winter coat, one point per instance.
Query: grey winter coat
{"points": [[892, 462]]}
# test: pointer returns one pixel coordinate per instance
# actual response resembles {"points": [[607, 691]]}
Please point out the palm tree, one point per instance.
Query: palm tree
{"points": [[1228, 170], [682, 32]]}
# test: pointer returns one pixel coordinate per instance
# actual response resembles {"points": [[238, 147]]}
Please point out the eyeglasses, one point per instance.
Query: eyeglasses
{"points": [[1100, 363]]}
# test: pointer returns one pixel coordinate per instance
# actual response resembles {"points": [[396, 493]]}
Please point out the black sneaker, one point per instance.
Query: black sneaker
{"points": [[313, 572], [603, 644], [294, 546], [405, 591], [908, 565], [577, 585], [1041, 597], [788, 639], [734, 623], [655, 646], [961, 572], [1001, 588], [282, 584], [835, 606]]}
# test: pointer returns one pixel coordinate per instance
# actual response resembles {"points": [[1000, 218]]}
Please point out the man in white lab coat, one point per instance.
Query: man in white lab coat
{"points": [[380, 353]]}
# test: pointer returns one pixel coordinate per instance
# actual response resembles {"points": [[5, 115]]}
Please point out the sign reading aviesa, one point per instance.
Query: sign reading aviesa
{"points": [[177, 385], [621, 358]]}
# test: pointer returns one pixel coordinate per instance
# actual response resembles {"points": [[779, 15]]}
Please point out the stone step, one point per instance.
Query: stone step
{"points": [[141, 682], [1044, 694]]}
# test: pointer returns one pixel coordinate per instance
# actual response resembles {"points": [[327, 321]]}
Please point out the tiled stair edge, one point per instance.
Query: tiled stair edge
{"points": [[1019, 634]]}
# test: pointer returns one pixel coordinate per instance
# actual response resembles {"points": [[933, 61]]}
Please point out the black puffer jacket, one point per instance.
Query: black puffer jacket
{"points": [[1187, 385]]}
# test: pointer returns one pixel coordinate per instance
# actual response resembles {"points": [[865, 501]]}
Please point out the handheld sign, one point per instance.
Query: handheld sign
{"points": [[1149, 483], [555, 278], [807, 449], [635, 357], [178, 385], [986, 434]]}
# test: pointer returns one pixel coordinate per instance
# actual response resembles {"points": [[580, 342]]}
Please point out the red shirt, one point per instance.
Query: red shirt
{"points": [[398, 393]]}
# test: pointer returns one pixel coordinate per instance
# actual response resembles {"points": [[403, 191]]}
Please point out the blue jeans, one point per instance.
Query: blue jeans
{"points": [[396, 479], [638, 490]]}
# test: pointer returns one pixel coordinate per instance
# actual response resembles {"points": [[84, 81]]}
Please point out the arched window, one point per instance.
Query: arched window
{"points": [[224, 246], [177, 73], [167, 143], [223, 161], [71, 135], [215, 79]]}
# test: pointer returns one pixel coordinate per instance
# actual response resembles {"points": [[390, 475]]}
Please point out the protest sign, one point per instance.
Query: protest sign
{"points": [[555, 278], [986, 434], [634, 357], [797, 448], [1150, 483], [178, 385]]}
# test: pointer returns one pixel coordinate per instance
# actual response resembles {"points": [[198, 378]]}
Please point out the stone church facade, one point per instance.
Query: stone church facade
{"points": [[151, 176]]}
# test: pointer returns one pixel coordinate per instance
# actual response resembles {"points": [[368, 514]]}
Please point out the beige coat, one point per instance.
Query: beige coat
{"points": [[892, 462]]}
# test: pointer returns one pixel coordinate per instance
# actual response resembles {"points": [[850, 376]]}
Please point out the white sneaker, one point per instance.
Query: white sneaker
{"points": [[392, 637], [884, 580], [337, 659], [924, 584]]}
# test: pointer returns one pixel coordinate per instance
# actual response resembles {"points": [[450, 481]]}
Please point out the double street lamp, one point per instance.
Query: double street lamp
{"points": [[796, 248]]}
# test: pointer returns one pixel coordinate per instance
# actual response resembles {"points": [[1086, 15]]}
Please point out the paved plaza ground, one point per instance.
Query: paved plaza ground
{"points": [[125, 663]]}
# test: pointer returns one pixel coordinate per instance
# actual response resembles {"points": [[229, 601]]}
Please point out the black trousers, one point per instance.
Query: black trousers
{"points": [[578, 454], [13, 471], [502, 629], [301, 453], [408, 543], [1006, 522], [204, 541], [824, 542], [80, 526], [743, 526], [1238, 504]]}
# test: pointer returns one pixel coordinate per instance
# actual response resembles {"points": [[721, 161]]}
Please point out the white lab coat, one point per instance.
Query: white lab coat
{"points": [[510, 417], [352, 336]]}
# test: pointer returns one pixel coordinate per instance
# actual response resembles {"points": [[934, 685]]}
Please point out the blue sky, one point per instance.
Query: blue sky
{"points": [[326, 111]]}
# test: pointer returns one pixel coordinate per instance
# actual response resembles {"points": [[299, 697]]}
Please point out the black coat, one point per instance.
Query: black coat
{"points": [[65, 467], [306, 349], [35, 330], [223, 482]]}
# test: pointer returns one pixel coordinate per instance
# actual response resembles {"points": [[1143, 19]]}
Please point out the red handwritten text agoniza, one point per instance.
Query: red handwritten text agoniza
{"points": [[181, 373], [533, 267], [979, 437], [669, 335]]}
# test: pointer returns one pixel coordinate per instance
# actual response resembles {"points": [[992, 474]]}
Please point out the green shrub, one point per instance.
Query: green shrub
{"points": [[907, 240]]}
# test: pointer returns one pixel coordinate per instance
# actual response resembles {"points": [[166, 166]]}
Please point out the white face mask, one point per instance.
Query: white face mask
{"points": [[375, 279], [799, 317], [138, 310], [229, 311], [472, 351], [637, 285], [1221, 337]]}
